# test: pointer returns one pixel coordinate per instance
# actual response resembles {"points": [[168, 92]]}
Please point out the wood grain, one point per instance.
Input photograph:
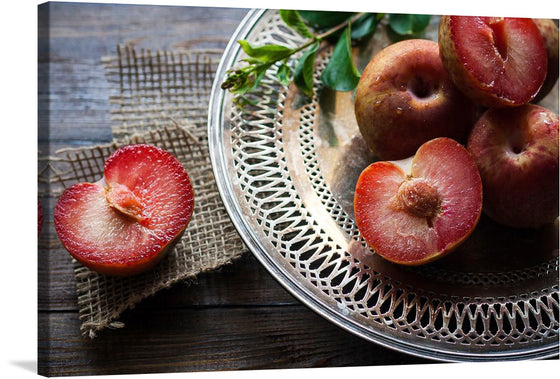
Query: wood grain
{"points": [[207, 338]]}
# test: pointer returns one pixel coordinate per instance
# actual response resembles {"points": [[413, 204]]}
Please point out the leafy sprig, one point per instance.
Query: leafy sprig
{"points": [[340, 74]]}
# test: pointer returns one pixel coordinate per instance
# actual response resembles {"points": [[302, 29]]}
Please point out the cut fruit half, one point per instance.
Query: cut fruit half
{"points": [[125, 223], [496, 61], [415, 217]]}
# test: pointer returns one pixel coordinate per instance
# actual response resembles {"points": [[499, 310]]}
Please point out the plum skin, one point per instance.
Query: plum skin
{"points": [[405, 98], [516, 151]]}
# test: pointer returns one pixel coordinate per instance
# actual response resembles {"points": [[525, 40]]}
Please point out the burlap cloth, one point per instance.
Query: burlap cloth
{"points": [[159, 98]]}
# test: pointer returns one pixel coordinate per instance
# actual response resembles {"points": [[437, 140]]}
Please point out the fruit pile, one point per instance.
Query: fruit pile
{"points": [[456, 131], [125, 223]]}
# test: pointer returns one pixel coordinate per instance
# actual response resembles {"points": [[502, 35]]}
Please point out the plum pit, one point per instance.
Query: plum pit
{"points": [[122, 199], [419, 198]]}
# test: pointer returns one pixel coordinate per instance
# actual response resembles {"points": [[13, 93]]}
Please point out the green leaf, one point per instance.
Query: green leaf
{"points": [[257, 76], [283, 74], [294, 21], [365, 25], [324, 19], [341, 74], [303, 77], [406, 24], [266, 53]]}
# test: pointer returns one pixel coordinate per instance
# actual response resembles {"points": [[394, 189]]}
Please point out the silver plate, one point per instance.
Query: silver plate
{"points": [[286, 168]]}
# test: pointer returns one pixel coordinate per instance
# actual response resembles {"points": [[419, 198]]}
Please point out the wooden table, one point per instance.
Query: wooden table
{"points": [[238, 318]]}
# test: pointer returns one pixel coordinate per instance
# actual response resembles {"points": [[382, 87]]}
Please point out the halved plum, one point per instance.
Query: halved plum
{"points": [[415, 216], [124, 223], [496, 61]]}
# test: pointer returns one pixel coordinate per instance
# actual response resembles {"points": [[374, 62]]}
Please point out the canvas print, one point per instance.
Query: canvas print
{"points": [[225, 189]]}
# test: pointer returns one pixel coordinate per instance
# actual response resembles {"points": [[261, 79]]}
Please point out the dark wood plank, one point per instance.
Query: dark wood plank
{"points": [[186, 340]]}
